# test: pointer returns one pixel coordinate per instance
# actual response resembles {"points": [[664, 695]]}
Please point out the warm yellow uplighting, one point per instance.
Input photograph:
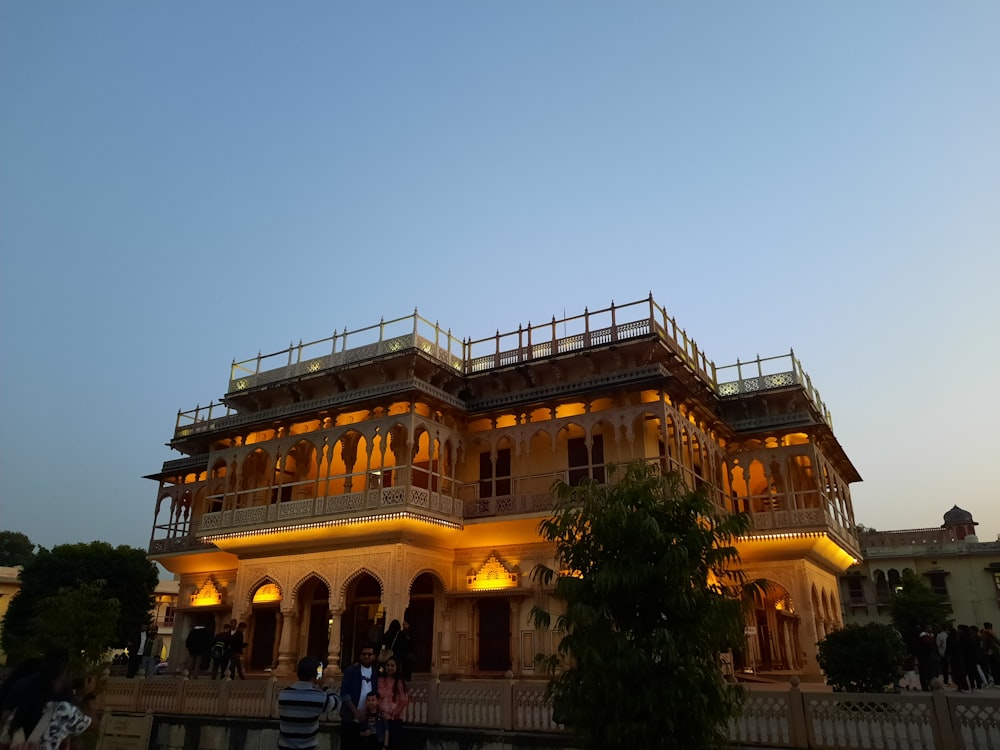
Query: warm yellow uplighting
{"points": [[269, 592], [207, 596], [493, 576]]}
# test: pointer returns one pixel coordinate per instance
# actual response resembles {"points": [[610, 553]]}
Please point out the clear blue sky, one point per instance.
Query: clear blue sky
{"points": [[184, 183]]}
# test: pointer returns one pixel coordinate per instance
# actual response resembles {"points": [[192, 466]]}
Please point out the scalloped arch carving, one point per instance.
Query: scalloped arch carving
{"points": [[438, 575]]}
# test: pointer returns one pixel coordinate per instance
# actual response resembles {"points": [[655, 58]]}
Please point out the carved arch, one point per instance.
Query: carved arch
{"points": [[437, 574]]}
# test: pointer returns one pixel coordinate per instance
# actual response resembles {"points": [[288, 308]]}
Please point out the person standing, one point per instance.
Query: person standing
{"points": [[220, 652], [991, 645], [359, 680], [393, 699], [152, 651], [198, 644], [236, 645], [136, 648], [300, 705], [941, 641]]}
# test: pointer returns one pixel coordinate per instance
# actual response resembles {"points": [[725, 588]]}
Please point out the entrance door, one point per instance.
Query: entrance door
{"points": [[362, 624], [265, 625], [494, 635], [319, 632], [420, 615]]}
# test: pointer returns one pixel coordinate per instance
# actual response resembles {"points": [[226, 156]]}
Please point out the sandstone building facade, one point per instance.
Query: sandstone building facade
{"points": [[950, 558], [397, 471]]}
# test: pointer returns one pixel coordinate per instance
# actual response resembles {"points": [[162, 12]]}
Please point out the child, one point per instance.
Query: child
{"points": [[374, 735]]}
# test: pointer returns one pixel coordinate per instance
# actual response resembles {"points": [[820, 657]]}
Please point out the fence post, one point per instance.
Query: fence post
{"points": [[507, 704], [942, 728], [181, 695], [797, 718], [434, 701], [271, 709]]}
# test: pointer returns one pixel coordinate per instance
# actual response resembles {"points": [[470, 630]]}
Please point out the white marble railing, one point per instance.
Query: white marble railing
{"points": [[772, 717]]}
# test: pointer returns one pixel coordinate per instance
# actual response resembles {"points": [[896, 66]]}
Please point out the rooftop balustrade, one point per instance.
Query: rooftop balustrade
{"points": [[533, 342]]}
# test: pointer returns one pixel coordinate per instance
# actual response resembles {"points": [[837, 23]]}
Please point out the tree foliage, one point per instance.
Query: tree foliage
{"points": [[126, 575], [81, 618], [916, 606], [15, 548], [651, 591], [862, 658]]}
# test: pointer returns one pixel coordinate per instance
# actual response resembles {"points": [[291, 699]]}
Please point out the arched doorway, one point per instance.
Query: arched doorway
{"points": [[772, 630], [263, 627], [314, 614], [420, 616], [364, 619]]}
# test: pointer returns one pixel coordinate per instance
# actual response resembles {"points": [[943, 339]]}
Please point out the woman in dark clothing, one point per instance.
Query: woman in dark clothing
{"points": [[397, 640], [955, 653], [974, 655]]}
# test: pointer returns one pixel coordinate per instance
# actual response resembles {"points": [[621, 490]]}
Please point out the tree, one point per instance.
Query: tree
{"points": [[916, 606], [862, 658], [15, 548], [81, 618], [129, 578], [651, 598]]}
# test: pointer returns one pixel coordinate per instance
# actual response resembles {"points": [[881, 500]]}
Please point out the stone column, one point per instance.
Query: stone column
{"points": [[278, 633], [515, 636], [286, 647], [444, 658], [333, 659]]}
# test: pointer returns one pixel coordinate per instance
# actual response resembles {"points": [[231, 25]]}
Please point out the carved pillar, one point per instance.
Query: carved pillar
{"points": [[333, 659], [445, 655], [279, 630], [515, 636], [350, 456], [286, 647]]}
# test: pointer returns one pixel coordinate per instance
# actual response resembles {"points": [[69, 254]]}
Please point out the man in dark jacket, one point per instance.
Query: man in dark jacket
{"points": [[198, 644], [220, 652], [359, 680]]}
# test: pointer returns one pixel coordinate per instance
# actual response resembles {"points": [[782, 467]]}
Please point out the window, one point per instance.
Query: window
{"points": [[494, 484], [855, 590], [583, 465], [936, 579]]}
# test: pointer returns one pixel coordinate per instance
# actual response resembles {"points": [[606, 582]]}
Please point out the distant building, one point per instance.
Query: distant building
{"points": [[163, 611], [396, 472], [10, 584], [950, 557]]}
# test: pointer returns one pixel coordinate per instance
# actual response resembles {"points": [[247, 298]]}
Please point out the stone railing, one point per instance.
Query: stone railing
{"points": [[505, 704], [773, 716], [373, 502], [800, 519]]}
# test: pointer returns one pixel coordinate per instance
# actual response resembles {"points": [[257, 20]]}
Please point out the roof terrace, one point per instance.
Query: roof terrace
{"points": [[531, 343]]}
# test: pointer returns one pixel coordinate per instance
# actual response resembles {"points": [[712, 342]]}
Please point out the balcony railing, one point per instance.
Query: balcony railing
{"points": [[800, 519], [372, 502], [764, 374]]}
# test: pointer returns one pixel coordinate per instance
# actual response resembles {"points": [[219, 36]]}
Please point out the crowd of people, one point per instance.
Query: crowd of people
{"points": [[372, 699], [964, 656]]}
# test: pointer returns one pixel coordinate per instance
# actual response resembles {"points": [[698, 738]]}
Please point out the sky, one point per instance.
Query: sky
{"points": [[183, 184]]}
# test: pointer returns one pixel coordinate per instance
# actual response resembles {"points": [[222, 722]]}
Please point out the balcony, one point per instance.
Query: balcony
{"points": [[374, 504]]}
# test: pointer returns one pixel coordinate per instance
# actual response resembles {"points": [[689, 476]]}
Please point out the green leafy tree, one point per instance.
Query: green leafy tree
{"points": [[129, 578], [916, 606], [862, 658], [15, 548], [82, 618], [651, 599]]}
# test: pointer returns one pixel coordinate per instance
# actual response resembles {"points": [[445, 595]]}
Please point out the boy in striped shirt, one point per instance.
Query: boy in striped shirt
{"points": [[300, 705]]}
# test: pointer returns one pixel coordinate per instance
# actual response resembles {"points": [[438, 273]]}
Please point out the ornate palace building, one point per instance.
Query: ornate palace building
{"points": [[399, 472]]}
